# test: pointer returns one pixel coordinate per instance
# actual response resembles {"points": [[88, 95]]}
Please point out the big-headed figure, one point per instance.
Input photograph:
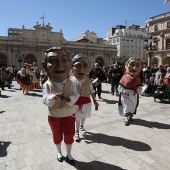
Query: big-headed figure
{"points": [[59, 94], [85, 88], [130, 87]]}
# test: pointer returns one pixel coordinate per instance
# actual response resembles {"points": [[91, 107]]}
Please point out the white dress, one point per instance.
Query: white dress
{"points": [[83, 111], [128, 103]]}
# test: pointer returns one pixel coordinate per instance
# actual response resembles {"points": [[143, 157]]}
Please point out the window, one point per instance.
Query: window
{"points": [[168, 44], [168, 24], [156, 46], [156, 28]]}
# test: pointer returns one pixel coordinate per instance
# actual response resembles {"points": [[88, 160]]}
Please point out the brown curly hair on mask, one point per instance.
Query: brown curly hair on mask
{"points": [[53, 49]]}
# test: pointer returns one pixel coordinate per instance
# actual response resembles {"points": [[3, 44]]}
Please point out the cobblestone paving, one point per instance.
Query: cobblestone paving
{"points": [[26, 140]]}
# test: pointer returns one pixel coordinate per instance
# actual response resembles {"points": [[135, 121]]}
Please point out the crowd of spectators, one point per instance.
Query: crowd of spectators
{"points": [[151, 77]]}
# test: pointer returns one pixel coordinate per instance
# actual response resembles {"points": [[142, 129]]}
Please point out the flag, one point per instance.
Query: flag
{"points": [[166, 1]]}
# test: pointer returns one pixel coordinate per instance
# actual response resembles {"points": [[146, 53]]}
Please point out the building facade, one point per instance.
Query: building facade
{"points": [[159, 28], [29, 45], [129, 41]]}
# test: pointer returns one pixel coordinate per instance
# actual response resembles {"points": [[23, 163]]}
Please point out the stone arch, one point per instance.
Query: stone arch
{"points": [[100, 61], [29, 58], [166, 61], [3, 60]]}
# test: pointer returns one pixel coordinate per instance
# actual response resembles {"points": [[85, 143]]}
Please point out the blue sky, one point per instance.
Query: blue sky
{"points": [[77, 16]]}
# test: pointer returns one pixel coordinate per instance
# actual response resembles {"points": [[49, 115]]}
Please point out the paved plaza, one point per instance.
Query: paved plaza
{"points": [[26, 140]]}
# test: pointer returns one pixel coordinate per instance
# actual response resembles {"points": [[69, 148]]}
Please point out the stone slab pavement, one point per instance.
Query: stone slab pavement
{"points": [[26, 140]]}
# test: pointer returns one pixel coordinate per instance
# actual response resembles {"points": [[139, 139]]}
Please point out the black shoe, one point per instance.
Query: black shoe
{"points": [[60, 159], [71, 162], [126, 123], [99, 97]]}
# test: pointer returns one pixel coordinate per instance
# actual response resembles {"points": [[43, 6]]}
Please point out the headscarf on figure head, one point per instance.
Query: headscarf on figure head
{"points": [[76, 57], [80, 64], [132, 58]]}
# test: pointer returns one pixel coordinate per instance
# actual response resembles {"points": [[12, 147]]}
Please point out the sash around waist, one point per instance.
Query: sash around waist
{"points": [[82, 100]]}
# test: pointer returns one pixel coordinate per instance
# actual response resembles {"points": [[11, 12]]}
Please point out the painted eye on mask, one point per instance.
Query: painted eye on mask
{"points": [[52, 61], [85, 65], [64, 60]]}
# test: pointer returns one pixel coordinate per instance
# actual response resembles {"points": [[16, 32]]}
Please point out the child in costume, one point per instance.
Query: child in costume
{"points": [[85, 88], [59, 94], [130, 87]]}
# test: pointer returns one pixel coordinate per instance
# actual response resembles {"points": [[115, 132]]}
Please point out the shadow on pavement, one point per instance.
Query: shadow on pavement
{"points": [[16, 89], [110, 101], [34, 94], [115, 141], [165, 102], [95, 165], [4, 96], [37, 90], [11, 90], [3, 148], [2, 112], [149, 124]]}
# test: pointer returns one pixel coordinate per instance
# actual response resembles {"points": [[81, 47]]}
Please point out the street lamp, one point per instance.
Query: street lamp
{"points": [[20, 57], [150, 44]]}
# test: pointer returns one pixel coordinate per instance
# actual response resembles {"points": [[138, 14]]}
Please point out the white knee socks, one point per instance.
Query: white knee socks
{"points": [[77, 125], [68, 147], [59, 155], [82, 121]]}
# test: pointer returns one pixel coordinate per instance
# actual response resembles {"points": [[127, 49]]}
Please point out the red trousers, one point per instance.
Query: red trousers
{"points": [[62, 126]]}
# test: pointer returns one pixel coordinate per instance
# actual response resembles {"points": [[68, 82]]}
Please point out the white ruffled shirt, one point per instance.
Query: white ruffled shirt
{"points": [[48, 98]]}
